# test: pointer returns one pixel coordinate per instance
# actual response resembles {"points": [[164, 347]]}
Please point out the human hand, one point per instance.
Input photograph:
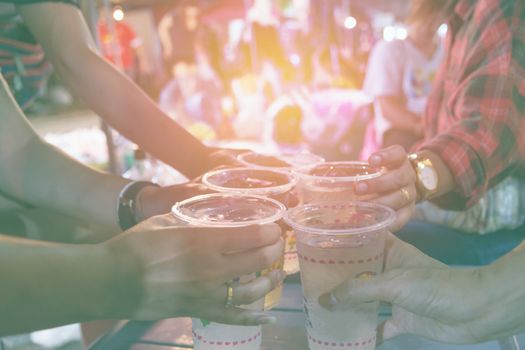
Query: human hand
{"points": [[396, 188], [220, 157], [184, 271], [154, 200], [428, 298]]}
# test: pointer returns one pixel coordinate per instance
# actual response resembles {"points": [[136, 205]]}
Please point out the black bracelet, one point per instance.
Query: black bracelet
{"points": [[127, 203]]}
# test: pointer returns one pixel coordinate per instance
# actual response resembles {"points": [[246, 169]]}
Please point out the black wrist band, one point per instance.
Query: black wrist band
{"points": [[127, 203]]}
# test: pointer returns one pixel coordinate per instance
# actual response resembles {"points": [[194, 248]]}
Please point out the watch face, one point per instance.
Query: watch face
{"points": [[428, 178]]}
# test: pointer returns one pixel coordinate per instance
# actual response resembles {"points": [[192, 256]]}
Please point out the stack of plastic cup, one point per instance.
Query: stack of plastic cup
{"points": [[255, 181], [333, 181], [228, 210], [338, 241]]}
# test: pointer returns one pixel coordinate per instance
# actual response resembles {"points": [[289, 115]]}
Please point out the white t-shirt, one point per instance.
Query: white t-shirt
{"points": [[398, 68]]}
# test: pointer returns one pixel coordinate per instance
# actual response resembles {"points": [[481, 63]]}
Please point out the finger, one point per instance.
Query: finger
{"points": [[403, 216], [239, 239], [244, 294], [163, 221], [386, 287], [391, 181], [238, 316], [392, 156], [254, 260], [398, 199]]}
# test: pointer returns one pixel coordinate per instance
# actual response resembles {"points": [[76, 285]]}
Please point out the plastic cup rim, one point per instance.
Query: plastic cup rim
{"points": [[175, 210], [241, 159], [341, 232], [302, 173], [279, 189]]}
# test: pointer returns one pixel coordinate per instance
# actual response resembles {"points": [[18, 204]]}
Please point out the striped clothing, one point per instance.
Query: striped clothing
{"points": [[22, 60]]}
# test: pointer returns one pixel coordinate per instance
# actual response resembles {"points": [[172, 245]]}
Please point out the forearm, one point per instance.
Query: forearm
{"points": [[62, 32], [398, 115], [46, 285], [129, 110], [42, 176]]}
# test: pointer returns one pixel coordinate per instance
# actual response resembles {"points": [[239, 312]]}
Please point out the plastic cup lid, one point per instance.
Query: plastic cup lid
{"points": [[339, 172], [250, 181], [284, 161], [354, 218], [228, 210]]}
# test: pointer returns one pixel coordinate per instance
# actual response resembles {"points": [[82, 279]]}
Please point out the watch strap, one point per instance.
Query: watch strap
{"points": [[127, 203]]}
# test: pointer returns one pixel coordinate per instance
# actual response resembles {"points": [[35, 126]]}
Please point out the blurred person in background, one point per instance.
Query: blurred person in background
{"points": [[120, 45], [399, 77], [177, 32], [193, 95]]}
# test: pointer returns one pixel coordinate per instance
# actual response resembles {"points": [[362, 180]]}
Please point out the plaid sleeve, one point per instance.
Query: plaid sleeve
{"points": [[485, 143]]}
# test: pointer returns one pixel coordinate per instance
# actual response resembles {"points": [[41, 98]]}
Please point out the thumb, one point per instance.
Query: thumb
{"points": [[363, 290]]}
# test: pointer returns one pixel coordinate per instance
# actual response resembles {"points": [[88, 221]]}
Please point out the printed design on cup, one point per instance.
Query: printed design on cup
{"points": [[344, 345], [231, 343], [339, 262]]}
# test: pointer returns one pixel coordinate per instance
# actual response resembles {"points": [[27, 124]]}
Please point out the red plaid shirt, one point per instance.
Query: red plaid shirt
{"points": [[475, 118]]}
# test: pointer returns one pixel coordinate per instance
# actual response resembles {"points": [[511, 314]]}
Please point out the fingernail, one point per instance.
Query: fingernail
{"points": [[375, 160], [361, 187], [266, 319]]}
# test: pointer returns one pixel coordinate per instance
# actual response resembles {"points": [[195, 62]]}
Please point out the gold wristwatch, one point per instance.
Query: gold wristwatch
{"points": [[427, 177]]}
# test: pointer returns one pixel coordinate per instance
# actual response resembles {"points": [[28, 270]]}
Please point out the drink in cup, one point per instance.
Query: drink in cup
{"points": [[338, 241], [228, 210], [284, 162], [333, 181], [257, 181]]}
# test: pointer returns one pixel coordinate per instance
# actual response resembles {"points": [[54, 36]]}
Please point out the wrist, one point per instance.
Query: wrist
{"points": [[128, 211], [142, 208], [122, 282]]}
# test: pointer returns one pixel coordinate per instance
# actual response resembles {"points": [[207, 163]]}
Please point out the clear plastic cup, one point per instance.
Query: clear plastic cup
{"points": [[338, 241], [286, 161], [258, 181], [333, 181], [245, 180], [228, 210], [270, 182]]}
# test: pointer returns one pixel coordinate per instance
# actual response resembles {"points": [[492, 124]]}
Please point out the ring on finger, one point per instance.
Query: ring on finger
{"points": [[406, 195], [229, 295]]}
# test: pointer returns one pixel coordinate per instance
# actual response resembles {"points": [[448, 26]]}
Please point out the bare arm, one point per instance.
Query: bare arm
{"points": [[399, 116], [62, 31], [46, 285], [40, 175]]}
